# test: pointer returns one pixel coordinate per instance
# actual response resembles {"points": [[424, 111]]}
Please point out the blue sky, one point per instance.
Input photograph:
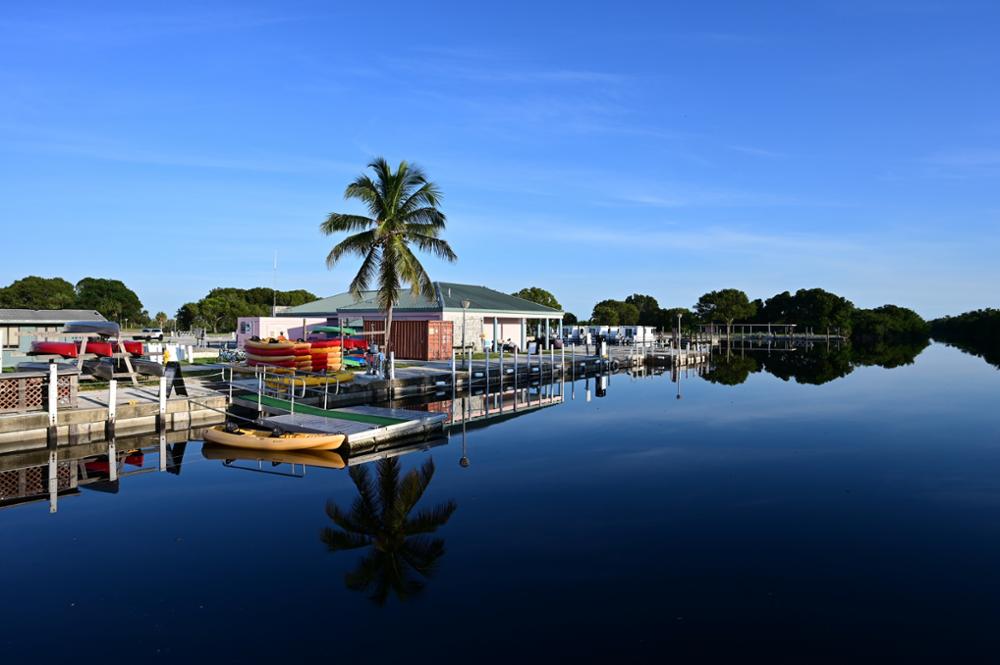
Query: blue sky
{"points": [[597, 150]]}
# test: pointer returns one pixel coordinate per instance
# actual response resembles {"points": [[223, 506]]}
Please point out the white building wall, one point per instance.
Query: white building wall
{"points": [[273, 326]]}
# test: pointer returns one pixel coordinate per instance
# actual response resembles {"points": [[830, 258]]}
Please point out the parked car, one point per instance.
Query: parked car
{"points": [[150, 334]]}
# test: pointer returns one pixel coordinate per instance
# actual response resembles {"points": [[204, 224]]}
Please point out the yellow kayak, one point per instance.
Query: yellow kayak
{"points": [[342, 377], [251, 439], [250, 344], [324, 458]]}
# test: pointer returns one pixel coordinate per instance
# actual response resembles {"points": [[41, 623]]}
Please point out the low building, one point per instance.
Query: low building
{"points": [[480, 316], [19, 327]]}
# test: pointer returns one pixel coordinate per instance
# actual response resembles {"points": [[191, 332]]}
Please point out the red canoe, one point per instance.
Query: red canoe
{"points": [[64, 349], [102, 349]]}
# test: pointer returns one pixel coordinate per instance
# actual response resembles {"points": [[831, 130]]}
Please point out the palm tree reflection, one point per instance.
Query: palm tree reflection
{"points": [[402, 555]]}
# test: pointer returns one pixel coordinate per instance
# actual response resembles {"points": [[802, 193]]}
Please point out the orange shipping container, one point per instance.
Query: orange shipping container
{"points": [[416, 340]]}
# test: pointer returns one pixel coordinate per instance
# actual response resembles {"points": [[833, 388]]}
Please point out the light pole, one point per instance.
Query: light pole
{"points": [[465, 308], [679, 315]]}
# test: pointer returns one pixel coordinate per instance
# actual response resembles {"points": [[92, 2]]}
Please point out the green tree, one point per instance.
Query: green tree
{"points": [[111, 298], [649, 309], [888, 323], [821, 310], [569, 319], [538, 295], [403, 209], [380, 519], [606, 313], [161, 319], [38, 293], [726, 305], [628, 314], [187, 315], [666, 319]]}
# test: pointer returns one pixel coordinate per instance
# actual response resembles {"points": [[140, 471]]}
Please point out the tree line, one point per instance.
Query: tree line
{"points": [[110, 297], [976, 332], [222, 306], [116, 302]]}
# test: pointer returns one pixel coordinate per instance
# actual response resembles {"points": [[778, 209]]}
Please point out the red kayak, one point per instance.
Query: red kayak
{"points": [[64, 349], [131, 347], [103, 349]]}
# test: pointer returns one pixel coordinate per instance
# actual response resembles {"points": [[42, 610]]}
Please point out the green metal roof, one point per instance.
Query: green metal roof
{"points": [[451, 296], [324, 306], [448, 296]]}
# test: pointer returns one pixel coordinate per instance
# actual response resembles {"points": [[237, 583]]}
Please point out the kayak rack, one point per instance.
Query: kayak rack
{"points": [[82, 355]]}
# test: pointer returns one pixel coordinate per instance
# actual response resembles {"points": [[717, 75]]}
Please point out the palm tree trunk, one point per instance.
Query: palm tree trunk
{"points": [[386, 338]]}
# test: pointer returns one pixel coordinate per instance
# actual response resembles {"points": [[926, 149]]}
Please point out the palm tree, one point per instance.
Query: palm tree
{"points": [[379, 518], [403, 212]]}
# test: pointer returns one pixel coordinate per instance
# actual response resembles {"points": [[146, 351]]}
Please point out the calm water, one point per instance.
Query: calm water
{"points": [[856, 517]]}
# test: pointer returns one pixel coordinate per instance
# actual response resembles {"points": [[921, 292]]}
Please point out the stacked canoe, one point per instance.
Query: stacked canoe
{"points": [[326, 355], [303, 357], [103, 349], [271, 352]]}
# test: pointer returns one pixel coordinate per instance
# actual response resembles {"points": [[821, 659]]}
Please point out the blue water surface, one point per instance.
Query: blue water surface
{"points": [[859, 518]]}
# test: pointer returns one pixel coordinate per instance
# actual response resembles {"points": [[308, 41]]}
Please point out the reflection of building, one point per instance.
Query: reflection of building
{"points": [[43, 475]]}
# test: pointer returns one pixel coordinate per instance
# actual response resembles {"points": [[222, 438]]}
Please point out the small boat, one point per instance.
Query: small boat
{"points": [[252, 439], [334, 330], [322, 458], [102, 349], [64, 349], [147, 366], [131, 347], [102, 328], [265, 347], [332, 378], [100, 369], [44, 366]]}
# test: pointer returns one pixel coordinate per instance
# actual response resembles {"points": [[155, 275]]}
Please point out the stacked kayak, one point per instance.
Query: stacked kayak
{"points": [[326, 355], [270, 353], [64, 349], [330, 379], [303, 356]]}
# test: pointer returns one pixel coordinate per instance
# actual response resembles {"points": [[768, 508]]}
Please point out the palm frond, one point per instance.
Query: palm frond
{"points": [[367, 191], [365, 273], [388, 484], [412, 272], [339, 541], [359, 244], [341, 223], [413, 485], [430, 520], [426, 194], [422, 553], [426, 220], [436, 246]]}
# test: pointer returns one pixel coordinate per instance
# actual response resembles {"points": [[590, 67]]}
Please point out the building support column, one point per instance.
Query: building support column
{"points": [[495, 341], [524, 334], [547, 332]]}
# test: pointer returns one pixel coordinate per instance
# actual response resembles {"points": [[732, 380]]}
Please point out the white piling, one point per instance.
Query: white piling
{"points": [[163, 399], [112, 402], [53, 395]]}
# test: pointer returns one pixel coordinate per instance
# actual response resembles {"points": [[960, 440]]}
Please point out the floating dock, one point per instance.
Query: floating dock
{"points": [[366, 427]]}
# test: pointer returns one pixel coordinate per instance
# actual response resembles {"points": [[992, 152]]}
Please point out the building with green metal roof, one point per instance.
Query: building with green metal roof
{"points": [[480, 315]]}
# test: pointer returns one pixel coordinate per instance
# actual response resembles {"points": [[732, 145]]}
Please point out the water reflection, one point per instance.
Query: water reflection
{"points": [[401, 555], [816, 365], [51, 475]]}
